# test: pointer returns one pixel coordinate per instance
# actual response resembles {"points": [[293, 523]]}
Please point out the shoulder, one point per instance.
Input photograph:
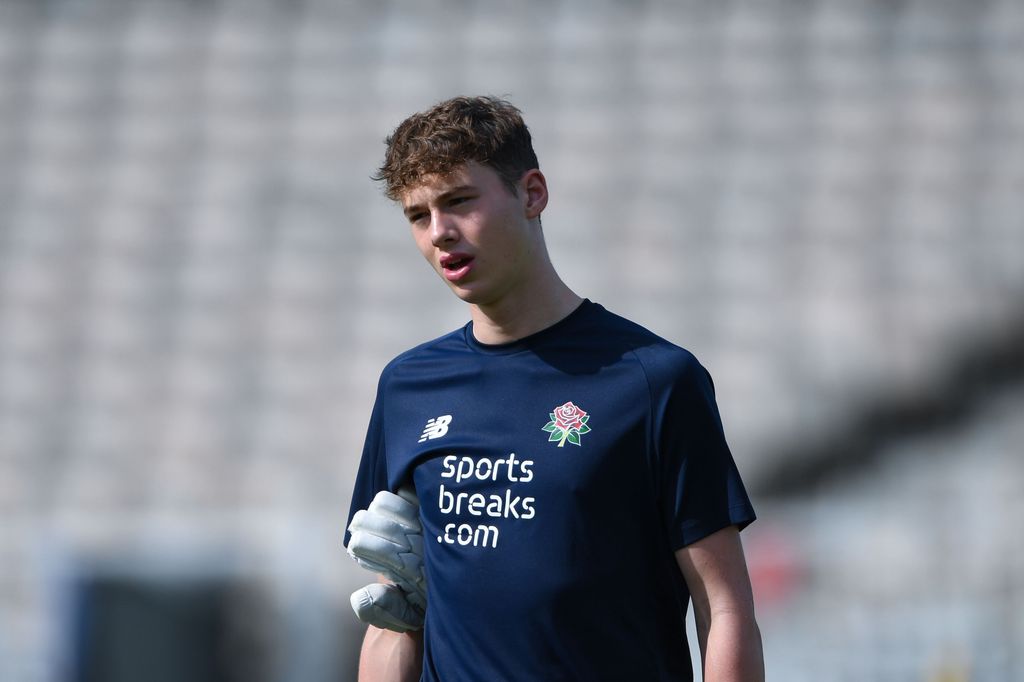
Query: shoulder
{"points": [[661, 360], [425, 356]]}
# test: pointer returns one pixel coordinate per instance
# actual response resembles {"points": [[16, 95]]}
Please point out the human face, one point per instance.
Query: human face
{"points": [[481, 238]]}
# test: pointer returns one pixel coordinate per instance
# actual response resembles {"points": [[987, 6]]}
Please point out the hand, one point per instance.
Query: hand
{"points": [[387, 539], [385, 606]]}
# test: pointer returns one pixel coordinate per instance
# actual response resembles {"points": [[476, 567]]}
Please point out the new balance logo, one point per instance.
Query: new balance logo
{"points": [[436, 428]]}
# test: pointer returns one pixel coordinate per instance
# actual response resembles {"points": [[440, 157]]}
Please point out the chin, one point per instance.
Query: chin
{"points": [[467, 295]]}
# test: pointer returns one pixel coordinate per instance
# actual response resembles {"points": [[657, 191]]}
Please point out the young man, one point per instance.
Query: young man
{"points": [[575, 487]]}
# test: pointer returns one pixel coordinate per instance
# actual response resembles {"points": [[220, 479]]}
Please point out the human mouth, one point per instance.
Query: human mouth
{"points": [[455, 266]]}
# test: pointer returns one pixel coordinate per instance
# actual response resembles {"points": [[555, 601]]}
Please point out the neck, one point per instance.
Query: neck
{"points": [[514, 318]]}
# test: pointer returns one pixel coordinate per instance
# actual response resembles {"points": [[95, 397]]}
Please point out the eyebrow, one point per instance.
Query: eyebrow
{"points": [[414, 208]]}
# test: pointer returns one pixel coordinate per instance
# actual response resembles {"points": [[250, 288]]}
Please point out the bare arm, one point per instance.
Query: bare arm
{"points": [[723, 606], [388, 656]]}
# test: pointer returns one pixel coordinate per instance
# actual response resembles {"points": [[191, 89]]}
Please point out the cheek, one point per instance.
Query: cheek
{"points": [[424, 245], [515, 247]]}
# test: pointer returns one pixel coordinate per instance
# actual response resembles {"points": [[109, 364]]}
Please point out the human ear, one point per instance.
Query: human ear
{"points": [[535, 192]]}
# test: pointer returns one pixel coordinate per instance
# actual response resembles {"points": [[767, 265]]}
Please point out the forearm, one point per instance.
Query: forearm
{"points": [[732, 649], [388, 656]]}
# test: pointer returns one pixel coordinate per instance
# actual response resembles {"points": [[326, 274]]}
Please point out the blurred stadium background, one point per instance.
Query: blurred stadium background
{"points": [[199, 284]]}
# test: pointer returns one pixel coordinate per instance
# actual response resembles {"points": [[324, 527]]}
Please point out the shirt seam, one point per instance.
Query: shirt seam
{"points": [[650, 401]]}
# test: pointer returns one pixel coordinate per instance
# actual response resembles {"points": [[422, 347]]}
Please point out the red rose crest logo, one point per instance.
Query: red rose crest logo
{"points": [[568, 423]]}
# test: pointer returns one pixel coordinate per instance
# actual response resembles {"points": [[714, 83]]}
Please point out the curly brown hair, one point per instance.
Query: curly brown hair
{"points": [[487, 130]]}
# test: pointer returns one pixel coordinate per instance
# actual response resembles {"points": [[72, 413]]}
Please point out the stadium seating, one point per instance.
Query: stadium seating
{"points": [[199, 283]]}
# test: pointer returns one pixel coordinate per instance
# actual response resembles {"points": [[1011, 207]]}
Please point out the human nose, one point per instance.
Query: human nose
{"points": [[442, 229]]}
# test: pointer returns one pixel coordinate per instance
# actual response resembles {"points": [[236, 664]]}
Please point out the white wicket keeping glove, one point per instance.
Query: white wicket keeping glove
{"points": [[387, 539], [385, 606]]}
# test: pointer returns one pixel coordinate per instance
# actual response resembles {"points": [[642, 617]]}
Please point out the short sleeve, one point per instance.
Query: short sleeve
{"points": [[372, 476], [699, 486]]}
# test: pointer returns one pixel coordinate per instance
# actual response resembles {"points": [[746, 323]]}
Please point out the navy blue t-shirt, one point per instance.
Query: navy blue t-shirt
{"points": [[556, 475]]}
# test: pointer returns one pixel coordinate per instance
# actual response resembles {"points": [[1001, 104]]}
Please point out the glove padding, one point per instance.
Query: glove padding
{"points": [[385, 606], [387, 539]]}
